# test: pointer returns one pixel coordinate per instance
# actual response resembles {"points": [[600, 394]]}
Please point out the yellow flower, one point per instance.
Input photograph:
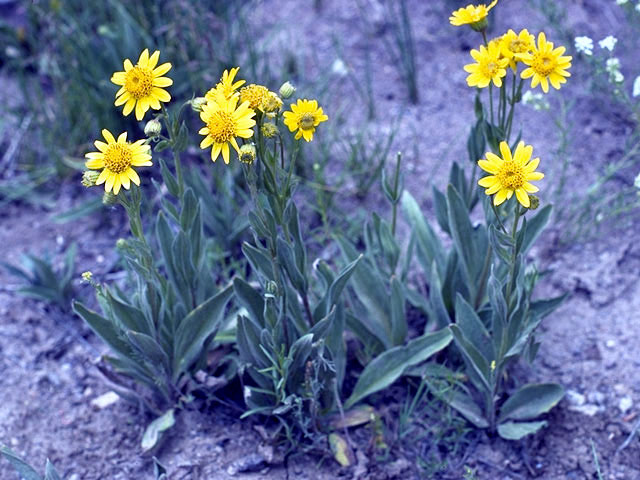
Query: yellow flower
{"points": [[271, 104], [255, 95], [225, 121], [226, 87], [305, 116], [513, 44], [546, 64], [141, 85], [491, 66], [471, 14], [510, 174], [116, 159]]}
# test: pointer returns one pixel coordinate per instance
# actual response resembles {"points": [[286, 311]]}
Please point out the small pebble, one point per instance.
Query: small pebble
{"points": [[625, 404], [610, 343], [103, 401], [575, 398]]}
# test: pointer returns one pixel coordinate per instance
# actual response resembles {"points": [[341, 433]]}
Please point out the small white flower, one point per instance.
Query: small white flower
{"points": [[535, 100], [612, 65], [636, 87], [622, 2], [339, 68], [584, 45], [637, 182], [638, 8], [608, 43]]}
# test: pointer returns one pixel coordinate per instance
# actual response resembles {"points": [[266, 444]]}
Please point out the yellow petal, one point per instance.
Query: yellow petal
{"points": [[144, 58], [153, 60], [161, 70], [488, 181], [162, 82], [505, 151], [225, 153], [128, 107], [215, 151], [160, 94], [108, 186], [107, 136], [522, 197], [102, 177], [116, 183], [122, 138], [124, 180], [94, 163], [131, 173]]}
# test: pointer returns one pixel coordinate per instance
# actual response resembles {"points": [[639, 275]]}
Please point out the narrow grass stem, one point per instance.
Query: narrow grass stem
{"points": [[396, 184]]}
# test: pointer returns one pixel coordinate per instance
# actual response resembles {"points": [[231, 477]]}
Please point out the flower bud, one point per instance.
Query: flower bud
{"points": [[247, 154], [89, 178], [287, 90], [121, 244], [109, 199], [197, 103], [269, 130], [153, 128], [534, 202], [271, 288]]}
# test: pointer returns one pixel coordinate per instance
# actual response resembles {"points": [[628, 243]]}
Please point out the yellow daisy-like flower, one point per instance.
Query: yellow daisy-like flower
{"points": [[511, 173], [305, 116], [255, 95], [546, 64], [271, 104], [491, 66], [513, 44], [471, 14], [141, 85], [226, 87], [116, 159], [225, 120]]}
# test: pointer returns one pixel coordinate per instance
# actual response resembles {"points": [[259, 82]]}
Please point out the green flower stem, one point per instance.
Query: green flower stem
{"points": [[514, 231], [502, 106], [396, 184], [491, 101], [495, 212], [514, 93], [176, 154]]}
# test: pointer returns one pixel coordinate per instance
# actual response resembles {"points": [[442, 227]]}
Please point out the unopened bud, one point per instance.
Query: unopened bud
{"points": [[269, 130], [121, 244], [153, 128], [534, 202], [89, 178], [287, 90], [109, 199], [247, 154], [271, 288], [197, 103]]}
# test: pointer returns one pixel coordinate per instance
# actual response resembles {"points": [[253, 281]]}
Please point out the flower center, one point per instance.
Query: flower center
{"points": [[138, 82], [491, 69], [117, 158], [511, 175], [222, 127], [306, 121], [543, 64], [518, 46]]}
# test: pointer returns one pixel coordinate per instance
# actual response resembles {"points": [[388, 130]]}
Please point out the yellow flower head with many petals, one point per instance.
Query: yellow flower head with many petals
{"points": [[491, 66], [546, 64], [226, 87], [305, 116], [471, 14], [116, 159], [141, 85], [513, 44], [255, 95], [225, 120], [511, 173]]}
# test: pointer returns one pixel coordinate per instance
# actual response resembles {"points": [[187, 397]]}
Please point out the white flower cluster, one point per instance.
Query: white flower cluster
{"points": [[625, 2], [584, 45], [613, 69]]}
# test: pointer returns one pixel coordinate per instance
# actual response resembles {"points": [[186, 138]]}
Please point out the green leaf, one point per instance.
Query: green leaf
{"points": [[535, 226], [542, 308], [518, 430], [167, 177], [389, 366], [462, 234], [259, 259], [104, 329], [23, 468], [465, 405], [474, 358], [440, 207], [250, 299], [50, 472], [149, 348], [196, 327], [399, 326], [429, 246], [473, 328], [131, 317], [531, 401], [156, 428], [285, 253]]}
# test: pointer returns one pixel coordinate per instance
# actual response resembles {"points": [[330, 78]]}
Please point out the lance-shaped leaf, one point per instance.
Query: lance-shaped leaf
{"points": [[104, 329], [531, 401], [429, 246], [465, 405], [389, 366], [518, 430], [535, 226], [196, 327], [156, 428], [23, 468], [472, 355]]}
